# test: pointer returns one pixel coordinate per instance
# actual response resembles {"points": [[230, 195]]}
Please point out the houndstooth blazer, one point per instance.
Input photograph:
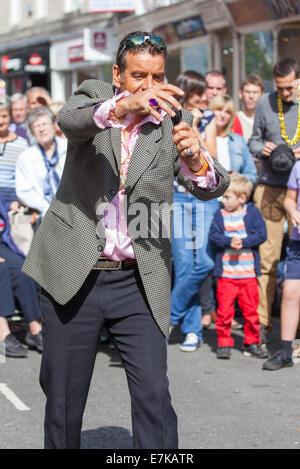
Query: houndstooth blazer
{"points": [[72, 236]]}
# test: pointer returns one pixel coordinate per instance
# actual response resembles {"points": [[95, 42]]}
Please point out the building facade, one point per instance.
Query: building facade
{"points": [[55, 44], [59, 43]]}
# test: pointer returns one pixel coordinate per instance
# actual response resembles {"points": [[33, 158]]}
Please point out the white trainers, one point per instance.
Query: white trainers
{"points": [[191, 343]]}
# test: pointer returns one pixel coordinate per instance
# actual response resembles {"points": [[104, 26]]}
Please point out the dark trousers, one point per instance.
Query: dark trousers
{"points": [[16, 284], [71, 335]]}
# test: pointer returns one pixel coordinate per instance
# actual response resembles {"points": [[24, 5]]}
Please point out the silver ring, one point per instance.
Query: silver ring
{"points": [[189, 152]]}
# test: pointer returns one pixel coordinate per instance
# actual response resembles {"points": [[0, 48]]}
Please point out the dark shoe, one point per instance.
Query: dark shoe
{"points": [[277, 361], [34, 341], [255, 350], [224, 353], [13, 348]]}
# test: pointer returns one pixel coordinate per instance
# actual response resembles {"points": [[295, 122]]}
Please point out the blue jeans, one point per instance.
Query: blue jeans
{"points": [[192, 259]]}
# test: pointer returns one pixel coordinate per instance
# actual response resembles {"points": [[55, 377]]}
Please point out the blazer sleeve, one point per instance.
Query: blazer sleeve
{"points": [[76, 117]]}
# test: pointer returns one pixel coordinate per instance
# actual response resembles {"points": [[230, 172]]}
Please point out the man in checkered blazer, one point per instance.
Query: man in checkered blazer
{"points": [[103, 251]]}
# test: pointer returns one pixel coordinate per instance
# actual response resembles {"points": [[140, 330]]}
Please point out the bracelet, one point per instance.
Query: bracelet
{"points": [[203, 169], [112, 116]]}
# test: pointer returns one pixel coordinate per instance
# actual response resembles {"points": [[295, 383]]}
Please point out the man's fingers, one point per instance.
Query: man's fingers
{"points": [[173, 89]]}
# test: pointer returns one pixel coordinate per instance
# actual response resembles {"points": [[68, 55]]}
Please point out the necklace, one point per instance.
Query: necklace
{"points": [[124, 163], [284, 135]]}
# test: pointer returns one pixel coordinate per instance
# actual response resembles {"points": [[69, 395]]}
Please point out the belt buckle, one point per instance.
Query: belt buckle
{"points": [[103, 259]]}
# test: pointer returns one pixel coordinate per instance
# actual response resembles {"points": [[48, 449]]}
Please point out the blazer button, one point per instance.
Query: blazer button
{"points": [[113, 192], [100, 249]]}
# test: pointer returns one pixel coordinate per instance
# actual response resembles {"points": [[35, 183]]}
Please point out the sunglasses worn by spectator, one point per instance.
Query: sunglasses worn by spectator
{"points": [[135, 41]]}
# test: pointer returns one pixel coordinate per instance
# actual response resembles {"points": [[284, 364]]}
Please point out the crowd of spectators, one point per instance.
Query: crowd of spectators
{"points": [[224, 269], [32, 157]]}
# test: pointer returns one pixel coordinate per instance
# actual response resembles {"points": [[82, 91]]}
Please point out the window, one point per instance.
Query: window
{"points": [[42, 8], [196, 58], [72, 5], [259, 56], [16, 11]]}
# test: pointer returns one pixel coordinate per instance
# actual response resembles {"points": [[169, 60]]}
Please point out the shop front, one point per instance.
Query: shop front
{"points": [[22, 69], [88, 54], [236, 37], [268, 31], [197, 33]]}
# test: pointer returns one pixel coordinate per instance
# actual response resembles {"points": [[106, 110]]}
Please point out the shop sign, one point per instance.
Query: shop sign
{"points": [[181, 30], [98, 6], [35, 59], [35, 64], [100, 40], [283, 8], [76, 53], [189, 27], [100, 45], [10, 65], [30, 61]]}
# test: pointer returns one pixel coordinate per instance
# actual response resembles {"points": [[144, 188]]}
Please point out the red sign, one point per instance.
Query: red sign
{"points": [[4, 61], [35, 59], [100, 40], [76, 53]]}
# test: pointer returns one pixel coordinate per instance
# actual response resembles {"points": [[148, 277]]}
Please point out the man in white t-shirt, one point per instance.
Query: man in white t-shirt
{"points": [[251, 90]]}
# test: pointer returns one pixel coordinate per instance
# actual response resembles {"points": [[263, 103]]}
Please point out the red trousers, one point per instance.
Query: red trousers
{"points": [[246, 292]]}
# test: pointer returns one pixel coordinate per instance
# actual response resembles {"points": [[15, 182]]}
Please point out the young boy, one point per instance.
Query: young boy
{"points": [[236, 232], [290, 312]]}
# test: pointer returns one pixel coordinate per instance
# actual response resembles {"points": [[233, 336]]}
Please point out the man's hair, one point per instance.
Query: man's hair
{"points": [[145, 47], [240, 185], [190, 82], [5, 102], [285, 67], [38, 112], [218, 103], [253, 80], [215, 73], [36, 89], [16, 97]]}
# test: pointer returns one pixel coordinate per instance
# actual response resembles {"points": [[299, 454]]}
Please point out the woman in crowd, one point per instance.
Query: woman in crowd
{"points": [[232, 149], [39, 168], [11, 146], [15, 284], [192, 257]]}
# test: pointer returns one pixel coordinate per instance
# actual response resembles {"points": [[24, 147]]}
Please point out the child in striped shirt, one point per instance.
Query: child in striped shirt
{"points": [[236, 232]]}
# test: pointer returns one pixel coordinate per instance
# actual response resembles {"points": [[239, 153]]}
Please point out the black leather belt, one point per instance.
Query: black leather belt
{"points": [[106, 264]]}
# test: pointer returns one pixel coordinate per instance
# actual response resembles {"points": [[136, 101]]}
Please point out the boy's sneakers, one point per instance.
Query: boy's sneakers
{"points": [[255, 350], [224, 353], [191, 343], [279, 360]]}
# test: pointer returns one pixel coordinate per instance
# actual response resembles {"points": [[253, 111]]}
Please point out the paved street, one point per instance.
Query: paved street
{"points": [[220, 404]]}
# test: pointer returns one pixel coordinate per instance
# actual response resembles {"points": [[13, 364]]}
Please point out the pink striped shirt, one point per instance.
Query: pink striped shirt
{"points": [[118, 241]]}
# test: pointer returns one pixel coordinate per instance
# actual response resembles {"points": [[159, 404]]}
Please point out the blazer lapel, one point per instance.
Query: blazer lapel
{"points": [[116, 144], [145, 150]]}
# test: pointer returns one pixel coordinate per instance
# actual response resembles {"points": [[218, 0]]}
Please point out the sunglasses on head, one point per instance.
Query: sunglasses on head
{"points": [[135, 41]]}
